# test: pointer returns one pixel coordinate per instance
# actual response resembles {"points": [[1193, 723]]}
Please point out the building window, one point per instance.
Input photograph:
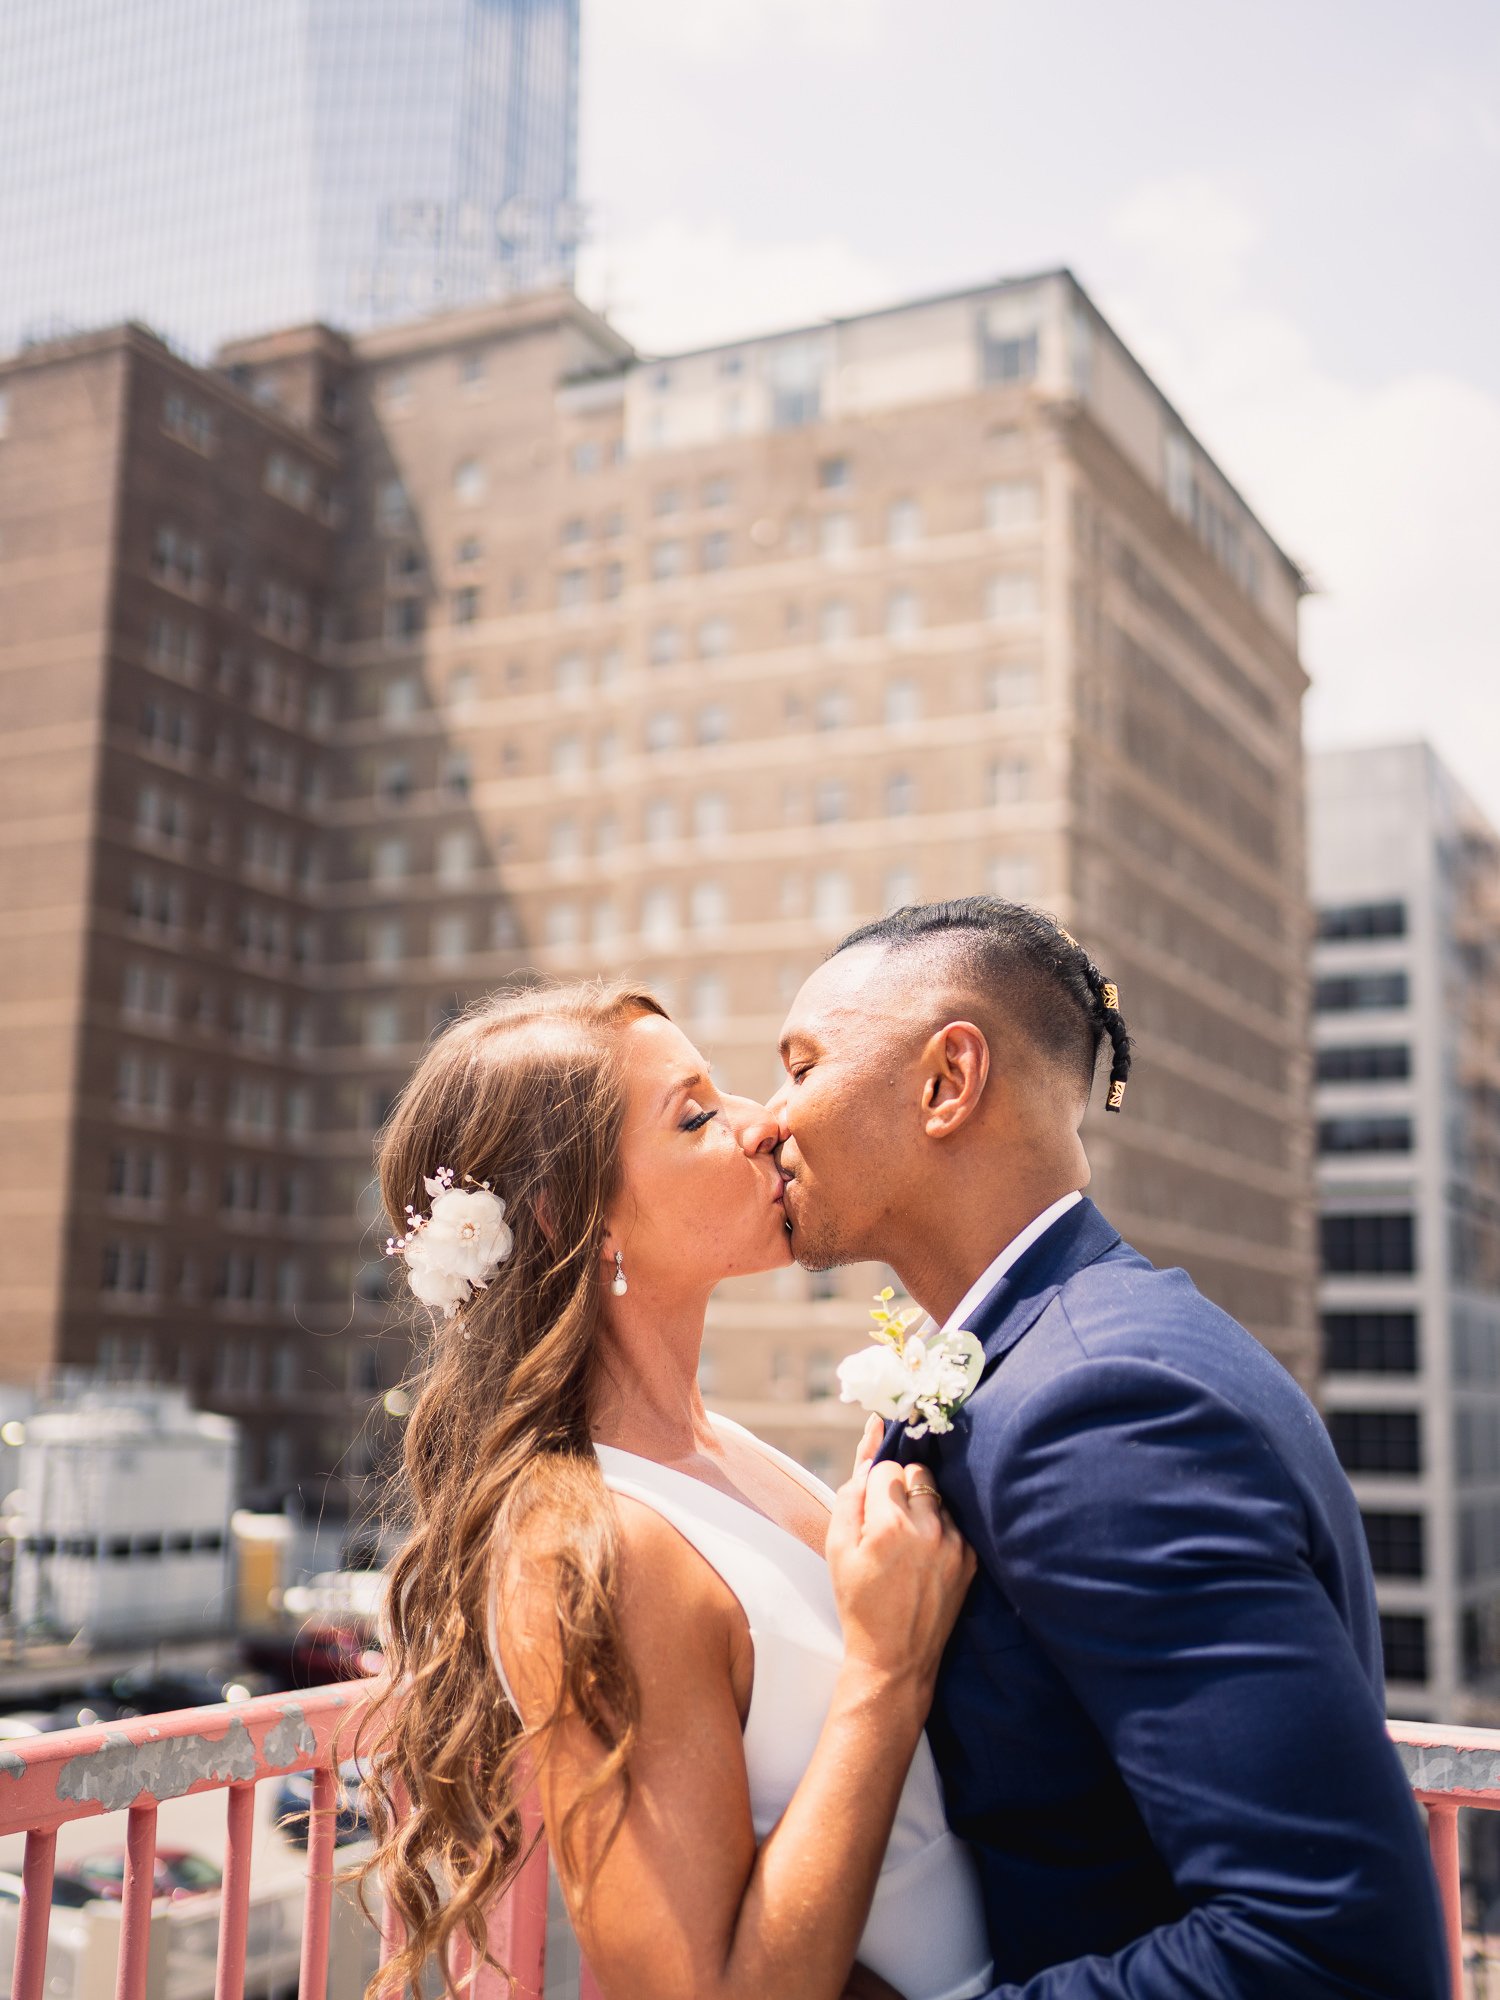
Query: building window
{"points": [[710, 816], [450, 937], [1363, 920], [717, 492], [1395, 1543], [835, 623], [1009, 781], [469, 480], [900, 794], [832, 898], [663, 731], [1015, 685], [713, 638], [830, 801], [903, 704], [661, 822], [716, 550], [1370, 1343], [666, 560], [1403, 1641], [388, 864], [834, 474], [392, 507], [465, 605], [664, 646], [1353, 992], [404, 619], [1356, 1245], [898, 889], [572, 589], [1012, 503], [903, 614], [568, 757], [467, 551], [831, 709], [570, 677], [1365, 1135], [1374, 1062], [836, 536], [713, 723], [1014, 594], [455, 856], [561, 925], [659, 916], [667, 500], [1377, 1440], [903, 523], [708, 906], [1006, 355]]}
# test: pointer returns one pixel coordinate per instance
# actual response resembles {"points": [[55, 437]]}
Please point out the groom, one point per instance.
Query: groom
{"points": [[1160, 1721]]}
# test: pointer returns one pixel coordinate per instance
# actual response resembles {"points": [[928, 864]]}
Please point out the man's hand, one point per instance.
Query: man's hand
{"points": [[866, 1985]]}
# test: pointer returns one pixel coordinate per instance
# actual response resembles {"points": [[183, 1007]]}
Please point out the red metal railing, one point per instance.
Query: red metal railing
{"points": [[49, 1781]]}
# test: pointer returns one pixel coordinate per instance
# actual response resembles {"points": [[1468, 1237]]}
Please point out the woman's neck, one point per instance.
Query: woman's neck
{"points": [[647, 1399]]}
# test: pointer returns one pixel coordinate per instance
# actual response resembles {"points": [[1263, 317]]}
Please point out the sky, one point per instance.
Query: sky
{"points": [[1290, 212]]}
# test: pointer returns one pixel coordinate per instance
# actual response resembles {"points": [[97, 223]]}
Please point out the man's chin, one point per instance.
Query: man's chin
{"points": [[814, 1252]]}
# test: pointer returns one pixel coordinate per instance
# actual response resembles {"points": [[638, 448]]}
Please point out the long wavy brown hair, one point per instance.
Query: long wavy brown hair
{"points": [[524, 1091]]}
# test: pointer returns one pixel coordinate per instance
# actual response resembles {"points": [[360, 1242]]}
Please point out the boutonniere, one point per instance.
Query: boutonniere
{"points": [[908, 1376]]}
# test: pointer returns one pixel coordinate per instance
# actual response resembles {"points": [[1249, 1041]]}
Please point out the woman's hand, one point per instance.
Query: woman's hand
{"points": [[900, 1569]]}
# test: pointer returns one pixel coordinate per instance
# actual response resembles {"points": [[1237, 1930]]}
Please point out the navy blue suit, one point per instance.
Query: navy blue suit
{"points": [[1159, 1721]]}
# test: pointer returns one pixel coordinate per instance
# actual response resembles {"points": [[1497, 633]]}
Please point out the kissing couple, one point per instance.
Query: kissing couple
{"points": [[1072, 1692]]}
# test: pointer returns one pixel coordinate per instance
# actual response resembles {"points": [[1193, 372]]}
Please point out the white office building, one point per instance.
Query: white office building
{"points": [[1406, 884]]}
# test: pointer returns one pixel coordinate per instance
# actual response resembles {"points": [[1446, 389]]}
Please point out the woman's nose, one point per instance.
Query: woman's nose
{"points": [[755, 1125]]}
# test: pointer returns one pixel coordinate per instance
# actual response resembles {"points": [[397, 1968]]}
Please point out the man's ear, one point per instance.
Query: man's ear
{"points": [[956, 1067]]}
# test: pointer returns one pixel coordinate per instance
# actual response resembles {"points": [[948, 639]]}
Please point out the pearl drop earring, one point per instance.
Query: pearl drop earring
{"points": [[618, 1283]]}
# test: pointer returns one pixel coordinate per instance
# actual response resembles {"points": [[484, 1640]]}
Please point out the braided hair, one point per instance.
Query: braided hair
{"points": [[1028, 955]]}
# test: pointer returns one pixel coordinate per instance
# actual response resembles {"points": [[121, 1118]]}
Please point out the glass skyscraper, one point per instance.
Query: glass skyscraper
{"points": [[216, 168]]}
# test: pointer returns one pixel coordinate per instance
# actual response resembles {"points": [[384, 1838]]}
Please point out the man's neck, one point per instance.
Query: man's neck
{"points": [[951, 1253]]}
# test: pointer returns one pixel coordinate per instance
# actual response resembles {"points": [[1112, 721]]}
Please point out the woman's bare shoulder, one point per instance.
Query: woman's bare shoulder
{"points": [[664, 1593]]}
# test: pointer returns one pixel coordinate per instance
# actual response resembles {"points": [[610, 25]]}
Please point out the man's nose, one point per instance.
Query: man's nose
{"points": [[755, 1124]]}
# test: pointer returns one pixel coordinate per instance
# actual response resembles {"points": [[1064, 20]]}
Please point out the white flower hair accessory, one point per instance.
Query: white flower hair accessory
{"points": [[457, 1249], [918, 1378]]}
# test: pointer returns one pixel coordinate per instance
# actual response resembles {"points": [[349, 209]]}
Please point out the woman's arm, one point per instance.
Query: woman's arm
{"points": [[685, 1906]]}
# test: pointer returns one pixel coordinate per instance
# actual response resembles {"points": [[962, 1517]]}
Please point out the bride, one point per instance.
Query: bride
{"points": [[717, 1669]]}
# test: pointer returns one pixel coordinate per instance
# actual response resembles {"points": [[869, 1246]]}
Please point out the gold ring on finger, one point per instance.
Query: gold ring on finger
{"points": [[930, 1491]]}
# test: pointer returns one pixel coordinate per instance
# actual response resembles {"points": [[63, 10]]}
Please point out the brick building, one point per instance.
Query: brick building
{"points": [[683, 667]]}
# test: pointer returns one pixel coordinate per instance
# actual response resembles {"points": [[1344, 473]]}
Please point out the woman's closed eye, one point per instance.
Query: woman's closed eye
{"points": [[698, 1120]]}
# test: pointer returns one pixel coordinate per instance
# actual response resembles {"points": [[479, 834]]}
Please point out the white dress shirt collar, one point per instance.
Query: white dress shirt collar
{"points": [[987, 1280]]}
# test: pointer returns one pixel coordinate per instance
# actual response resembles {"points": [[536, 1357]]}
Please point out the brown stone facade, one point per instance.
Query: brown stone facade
{"points": [[680, 668]]}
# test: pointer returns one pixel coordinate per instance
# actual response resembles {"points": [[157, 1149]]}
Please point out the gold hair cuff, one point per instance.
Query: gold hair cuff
{"points": [[1111, 997], [1116, 1097], [1070, 937]]}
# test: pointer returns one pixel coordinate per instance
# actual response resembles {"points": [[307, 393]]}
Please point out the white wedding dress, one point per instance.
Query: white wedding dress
{"points": [[925, 1933]]}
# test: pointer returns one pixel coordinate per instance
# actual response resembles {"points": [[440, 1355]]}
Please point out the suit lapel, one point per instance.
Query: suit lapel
{"points": [[1018, 1300]]}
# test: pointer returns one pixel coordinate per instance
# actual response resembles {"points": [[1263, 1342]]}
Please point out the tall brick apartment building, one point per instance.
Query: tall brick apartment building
{"points": [[350, 678]]}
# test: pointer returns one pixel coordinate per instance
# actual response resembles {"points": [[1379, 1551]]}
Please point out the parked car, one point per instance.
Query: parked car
{"points": [[179, 1874], [294, 1806], [79, 1711], [25, 1722], [156, 1690], [68, 1892]]}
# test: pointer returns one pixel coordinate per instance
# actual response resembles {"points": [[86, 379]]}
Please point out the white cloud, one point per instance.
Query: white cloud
{"points": [[1385, 491], [679, 285]]}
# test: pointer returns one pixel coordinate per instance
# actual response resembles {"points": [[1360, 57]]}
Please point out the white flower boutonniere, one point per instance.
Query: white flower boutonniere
{"points": [[908, 1376]]}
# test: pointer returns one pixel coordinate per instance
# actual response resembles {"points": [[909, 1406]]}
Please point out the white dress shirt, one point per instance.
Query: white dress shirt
{"points": [[987, 1280]]}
